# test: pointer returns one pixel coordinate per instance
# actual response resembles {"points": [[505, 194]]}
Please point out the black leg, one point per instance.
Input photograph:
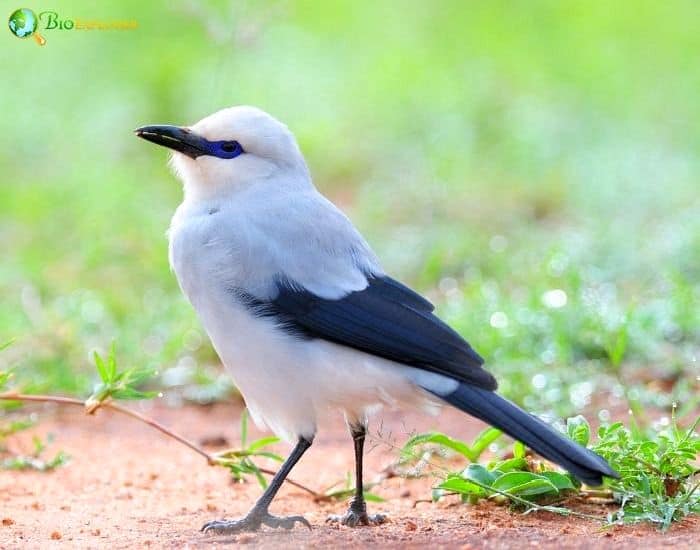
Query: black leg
{"points": [[357, 504], [258, 514], [357, 512]]}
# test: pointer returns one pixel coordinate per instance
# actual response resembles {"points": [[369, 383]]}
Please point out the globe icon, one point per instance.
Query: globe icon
{"points": [[22, 22]]}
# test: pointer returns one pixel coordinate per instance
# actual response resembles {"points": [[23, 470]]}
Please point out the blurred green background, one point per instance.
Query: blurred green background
{"points": [[531, 166]]}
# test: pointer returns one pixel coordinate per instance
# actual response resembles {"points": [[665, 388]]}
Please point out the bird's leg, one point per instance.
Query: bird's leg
{"points": [[258, 514], [357, 512]]}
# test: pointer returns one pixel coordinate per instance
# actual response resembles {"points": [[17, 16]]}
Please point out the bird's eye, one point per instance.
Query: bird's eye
{"points": [[229, 146]]}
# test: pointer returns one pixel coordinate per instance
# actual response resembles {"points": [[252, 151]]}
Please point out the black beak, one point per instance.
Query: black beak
{"points": [[175, 137]]}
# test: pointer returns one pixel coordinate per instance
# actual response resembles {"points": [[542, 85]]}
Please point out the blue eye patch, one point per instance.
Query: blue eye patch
{"points": [[188, 143]]}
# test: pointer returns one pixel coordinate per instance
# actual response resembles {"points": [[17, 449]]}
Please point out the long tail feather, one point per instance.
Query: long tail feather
{"points": [[533, 432]]}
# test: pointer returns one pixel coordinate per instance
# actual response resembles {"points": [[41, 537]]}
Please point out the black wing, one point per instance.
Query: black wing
{"points": [[386, 319]]}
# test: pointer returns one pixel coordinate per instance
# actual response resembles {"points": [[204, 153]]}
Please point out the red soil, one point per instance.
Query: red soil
{"points": [[127, 486]]}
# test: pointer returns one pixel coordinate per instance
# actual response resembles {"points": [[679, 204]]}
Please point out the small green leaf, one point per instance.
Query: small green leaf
{"points": [[340, 494], [519, 449], [244, 428], [483, 440], [579, 430], [560, 481], [115, 384], [263, 442], [476, 472], [267, 454], [112, 362], [510, 465], [16, 426], [616, 345], [533, 488], [101, 368], [39, 445], [132, 394], [442, 440], [460, 485], [4, 378], [371, 497], [524, 484], [258, 475], [7, 344]]}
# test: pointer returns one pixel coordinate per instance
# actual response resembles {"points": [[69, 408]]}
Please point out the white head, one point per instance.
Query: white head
{"points": [[229, 150]]}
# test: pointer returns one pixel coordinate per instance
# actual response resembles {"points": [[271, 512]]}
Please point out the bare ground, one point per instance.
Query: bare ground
{"points": [[129, 487]]}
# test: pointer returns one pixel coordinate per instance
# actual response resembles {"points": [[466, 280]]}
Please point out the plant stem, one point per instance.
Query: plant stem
{"points": [[211, 460], [532, 506], [10, 396], [648, 465]]}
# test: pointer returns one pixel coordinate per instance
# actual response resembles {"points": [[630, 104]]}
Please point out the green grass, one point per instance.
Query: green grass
{"points": [[500, 159], [658, 473]]}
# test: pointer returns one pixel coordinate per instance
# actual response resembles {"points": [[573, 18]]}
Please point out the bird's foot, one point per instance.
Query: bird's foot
{"points": [[252, 522], [353, 518]]}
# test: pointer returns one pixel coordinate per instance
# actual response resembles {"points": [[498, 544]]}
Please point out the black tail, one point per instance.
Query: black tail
{"points": [[533, 432]]}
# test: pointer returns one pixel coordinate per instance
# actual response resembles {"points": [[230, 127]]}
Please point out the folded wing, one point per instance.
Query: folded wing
{"points": [[386, 319]]}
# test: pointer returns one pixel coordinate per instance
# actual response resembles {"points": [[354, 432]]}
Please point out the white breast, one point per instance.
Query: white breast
{"points": [[288, 383]]}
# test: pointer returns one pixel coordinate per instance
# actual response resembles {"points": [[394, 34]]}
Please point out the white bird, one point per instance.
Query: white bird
{"points": [[302, 314]]}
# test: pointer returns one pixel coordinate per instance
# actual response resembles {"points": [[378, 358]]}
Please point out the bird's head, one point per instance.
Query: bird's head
{"points": [[229, 150]]}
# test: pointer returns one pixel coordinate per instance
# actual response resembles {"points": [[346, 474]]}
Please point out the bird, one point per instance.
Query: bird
{"points": [[302, 314]]}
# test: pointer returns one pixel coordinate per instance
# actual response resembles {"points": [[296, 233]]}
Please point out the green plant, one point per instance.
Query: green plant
{"points": [[5, 375], [240, 461], [470, 452], [23, 461], [504, 479], [33, 460], [658, 475], [116, 384], [4, 379]]}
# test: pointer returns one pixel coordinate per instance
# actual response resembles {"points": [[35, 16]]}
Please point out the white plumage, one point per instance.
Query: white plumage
{"points": [[241, 225], [301, 313]]}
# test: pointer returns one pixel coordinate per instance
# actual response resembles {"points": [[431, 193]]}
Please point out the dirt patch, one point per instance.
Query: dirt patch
{"points": [[128, 487]]}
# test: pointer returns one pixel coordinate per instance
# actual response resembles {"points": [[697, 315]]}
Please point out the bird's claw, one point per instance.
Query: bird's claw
{"points": [[252, 522], [286, 522], [353, 518]]}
